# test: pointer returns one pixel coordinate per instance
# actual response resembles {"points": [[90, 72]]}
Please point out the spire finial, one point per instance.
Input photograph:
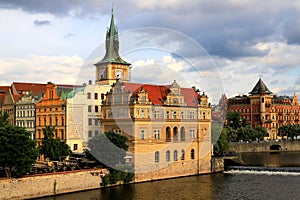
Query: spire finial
{"points": [[112, 8]]}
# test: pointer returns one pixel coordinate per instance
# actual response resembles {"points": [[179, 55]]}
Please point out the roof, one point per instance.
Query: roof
{"points": [[35, 89], [158, 93], [112, 45], [260, 88], [4, 89]]}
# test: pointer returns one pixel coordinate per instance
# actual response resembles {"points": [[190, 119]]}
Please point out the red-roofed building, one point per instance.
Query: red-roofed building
{"points": [[168, 127], [165, 124]]}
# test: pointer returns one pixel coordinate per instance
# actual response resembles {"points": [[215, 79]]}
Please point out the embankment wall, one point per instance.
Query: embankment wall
{"points": [[45, 185]]}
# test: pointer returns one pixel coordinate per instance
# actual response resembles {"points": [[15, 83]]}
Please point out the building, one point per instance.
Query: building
{"points": [[168, 127], [25, 106], [83, 115], [51, 111], [262, 108]]}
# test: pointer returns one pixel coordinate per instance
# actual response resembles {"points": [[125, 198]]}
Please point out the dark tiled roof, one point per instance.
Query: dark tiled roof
{"points": [[260, 88]]}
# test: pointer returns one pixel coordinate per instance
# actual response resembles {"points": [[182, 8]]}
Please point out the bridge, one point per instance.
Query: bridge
{"points": [[265, 146]]}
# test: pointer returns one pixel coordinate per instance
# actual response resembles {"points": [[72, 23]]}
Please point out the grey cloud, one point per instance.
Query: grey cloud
{"points": [[292, 31], [69, 35], [41, 22]]}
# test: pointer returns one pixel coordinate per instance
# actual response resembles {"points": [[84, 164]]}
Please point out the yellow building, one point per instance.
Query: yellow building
{"points": [[168, 127]]}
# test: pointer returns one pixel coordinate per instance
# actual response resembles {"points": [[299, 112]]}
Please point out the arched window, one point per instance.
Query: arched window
{"points": [[182, 154], [156, 157], [168, 156], [175, 133], [168, 134], [192, 154], [182, 134], [175, 155]]}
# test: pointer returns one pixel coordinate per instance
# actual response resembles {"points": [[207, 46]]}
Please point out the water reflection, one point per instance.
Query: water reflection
{"points": [[279, 159]]}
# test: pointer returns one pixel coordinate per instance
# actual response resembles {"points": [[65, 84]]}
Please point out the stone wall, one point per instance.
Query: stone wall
{"points": [[265, 146], [43, 185]]}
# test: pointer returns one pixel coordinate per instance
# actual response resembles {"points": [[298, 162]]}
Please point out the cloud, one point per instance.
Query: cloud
{"points": [[39, 68], [69, 35], [292, 31], [41, 22]]}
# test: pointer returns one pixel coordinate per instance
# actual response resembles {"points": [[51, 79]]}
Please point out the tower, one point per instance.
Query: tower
{"points": [[112, 67]]}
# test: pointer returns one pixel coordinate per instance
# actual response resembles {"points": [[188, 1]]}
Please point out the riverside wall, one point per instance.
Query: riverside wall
{"points": [[46, 185], [265, 146]]}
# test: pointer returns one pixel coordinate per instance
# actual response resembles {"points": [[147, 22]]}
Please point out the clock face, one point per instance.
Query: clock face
{"points": [[118, 74]]}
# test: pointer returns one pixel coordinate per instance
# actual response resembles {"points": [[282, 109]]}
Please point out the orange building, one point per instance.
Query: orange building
{"points": [[262, 108], [51, 111]]}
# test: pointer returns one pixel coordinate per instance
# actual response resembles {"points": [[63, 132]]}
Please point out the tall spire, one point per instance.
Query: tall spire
{"points": [[112, 44]]}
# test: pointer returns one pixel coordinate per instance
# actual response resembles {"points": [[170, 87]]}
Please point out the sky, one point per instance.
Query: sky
{"points": [[218, 46]]}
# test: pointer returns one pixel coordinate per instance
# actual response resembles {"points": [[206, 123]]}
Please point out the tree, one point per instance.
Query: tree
{"points": [[222, 143], [17, 150], [234, 119], [108, 148], [53, 148]]}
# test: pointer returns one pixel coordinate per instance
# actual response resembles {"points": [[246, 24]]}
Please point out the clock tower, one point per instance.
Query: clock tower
{"points": [[112, 67]]}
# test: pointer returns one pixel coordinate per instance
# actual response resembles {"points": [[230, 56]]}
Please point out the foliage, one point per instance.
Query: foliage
{"points": [[222, 143], [115, 175], [234, 119], [17, 150], [289, 130], [108, 148], [216, 130], [53, 148]]}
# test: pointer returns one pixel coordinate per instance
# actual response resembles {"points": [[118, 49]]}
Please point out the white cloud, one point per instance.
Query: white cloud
{"points": [[39, 68]]}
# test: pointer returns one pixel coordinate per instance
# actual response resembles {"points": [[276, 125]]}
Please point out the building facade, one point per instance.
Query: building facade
{"points": [[83, 115], [168, 127], [262, 108]]}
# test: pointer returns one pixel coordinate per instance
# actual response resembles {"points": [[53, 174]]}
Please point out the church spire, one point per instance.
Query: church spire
{"points": [[112, 44]]}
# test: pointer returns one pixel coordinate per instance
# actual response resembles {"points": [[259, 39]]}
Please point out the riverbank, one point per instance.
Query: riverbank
{"points": [[41, 185], [50, 184]]}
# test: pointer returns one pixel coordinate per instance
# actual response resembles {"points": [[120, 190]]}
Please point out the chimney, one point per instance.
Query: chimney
{"points": [[90, 82]]}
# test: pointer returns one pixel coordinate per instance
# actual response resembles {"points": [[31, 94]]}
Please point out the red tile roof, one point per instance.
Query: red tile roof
{"points": [[158, 93], [2, 96], [4, 89], [36, 89]]}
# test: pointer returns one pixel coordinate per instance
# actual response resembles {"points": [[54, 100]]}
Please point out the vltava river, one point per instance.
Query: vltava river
{"points": [[222, 186]]}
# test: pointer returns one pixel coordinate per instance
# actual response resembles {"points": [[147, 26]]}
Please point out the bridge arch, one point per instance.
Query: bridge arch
{"points": [[275, 147]]}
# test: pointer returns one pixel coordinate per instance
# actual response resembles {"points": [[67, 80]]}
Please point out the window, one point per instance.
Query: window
{"points": [[95, 95], [62, 134], [156, 157], [182, 115], [89, 108], [168, 115], [90, 134], [168, 156], [50, 119], [182, 154], [175, 132], [143, 114], [192, 133], [175, 155], [89, 95], [102, 96], [143, 134], [75, 147], [96, 109], [45, 121], [192, 154], [96, 133], [168, 134], [96, 122], [156, 114], [90, 122], [156, 134], [182, 134], [174, 115], [56, 121]]}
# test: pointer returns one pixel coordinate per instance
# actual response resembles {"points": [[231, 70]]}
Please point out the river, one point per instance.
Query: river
{"points": [[237, 184]]}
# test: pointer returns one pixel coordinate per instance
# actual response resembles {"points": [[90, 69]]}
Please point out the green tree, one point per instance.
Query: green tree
{"points": [[222, 143], [53, 148], [108, 148], [289, 130], [234, 119], [17, 150]]}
